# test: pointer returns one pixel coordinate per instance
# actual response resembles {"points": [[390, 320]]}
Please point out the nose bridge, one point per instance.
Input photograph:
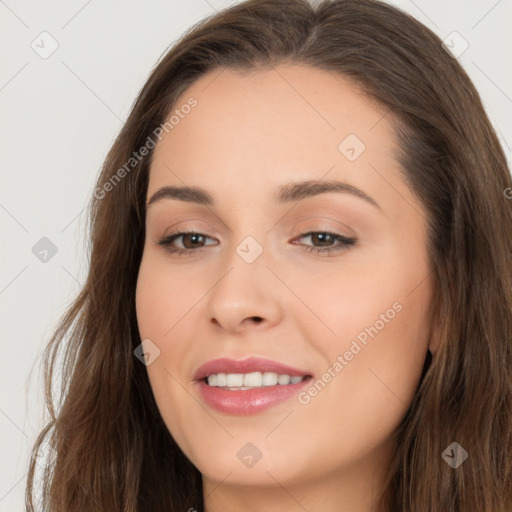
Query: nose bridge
{"points": [[250, 238], [247, 288]]}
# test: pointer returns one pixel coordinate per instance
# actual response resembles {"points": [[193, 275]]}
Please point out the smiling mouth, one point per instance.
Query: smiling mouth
{"points": [[249, 392], [252, 380]]}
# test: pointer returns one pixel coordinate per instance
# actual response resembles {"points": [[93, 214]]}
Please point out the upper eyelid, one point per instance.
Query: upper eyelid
{"points": [[320, 218], [302, 232]]}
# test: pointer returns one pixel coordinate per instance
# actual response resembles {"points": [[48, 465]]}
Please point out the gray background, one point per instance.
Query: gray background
{"points": [[59, 116]]}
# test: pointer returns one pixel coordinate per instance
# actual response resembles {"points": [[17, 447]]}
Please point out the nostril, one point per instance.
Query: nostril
{"points": [[257, 319]]}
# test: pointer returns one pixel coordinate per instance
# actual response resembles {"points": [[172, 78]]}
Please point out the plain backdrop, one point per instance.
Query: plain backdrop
{"points": [[69, 74]]}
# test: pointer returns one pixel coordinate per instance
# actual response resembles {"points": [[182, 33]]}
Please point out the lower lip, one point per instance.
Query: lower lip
{"points": [[248, 401]]}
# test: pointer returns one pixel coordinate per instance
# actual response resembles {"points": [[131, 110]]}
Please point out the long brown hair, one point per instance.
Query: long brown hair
{"points": [[111, 449]]}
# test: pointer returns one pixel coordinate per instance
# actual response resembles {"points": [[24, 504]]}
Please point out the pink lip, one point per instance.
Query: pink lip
{"points": [[247, 401], [251, 364]]}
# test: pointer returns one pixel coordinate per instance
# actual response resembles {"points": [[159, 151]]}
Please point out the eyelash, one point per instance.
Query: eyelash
{"points": [[346, 242]]}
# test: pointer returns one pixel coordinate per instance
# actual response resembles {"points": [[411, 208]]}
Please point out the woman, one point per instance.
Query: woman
{"points": [[300, 280]]}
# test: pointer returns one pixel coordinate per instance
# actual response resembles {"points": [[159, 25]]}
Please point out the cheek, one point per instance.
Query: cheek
{"points": [[378, 317], [379, 383], [163, 297], [384, 352], [348, 299], [159, 308]]}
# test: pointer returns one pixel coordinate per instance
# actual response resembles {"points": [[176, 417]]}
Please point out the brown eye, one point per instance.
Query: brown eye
{"points": [[323, 241], [191, 242]]}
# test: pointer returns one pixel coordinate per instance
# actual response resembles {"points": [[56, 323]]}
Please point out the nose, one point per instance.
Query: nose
{"points": [[248, 296]]}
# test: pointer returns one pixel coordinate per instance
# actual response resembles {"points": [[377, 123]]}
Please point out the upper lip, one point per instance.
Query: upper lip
{"points": [[248, 365]]}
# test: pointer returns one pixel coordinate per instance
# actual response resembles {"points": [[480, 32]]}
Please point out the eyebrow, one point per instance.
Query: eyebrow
{"points": [[284, 194]]}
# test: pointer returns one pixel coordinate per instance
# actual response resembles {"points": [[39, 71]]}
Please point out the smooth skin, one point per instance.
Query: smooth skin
{"points": [[250, 134]]}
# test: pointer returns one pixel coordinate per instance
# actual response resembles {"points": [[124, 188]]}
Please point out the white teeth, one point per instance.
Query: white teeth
{"points": [[269, 379], [251, 380], [234, 380], [284, 379]]}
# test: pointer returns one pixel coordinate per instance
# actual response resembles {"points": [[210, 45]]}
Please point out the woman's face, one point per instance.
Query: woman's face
{"points": [[261, 146]]}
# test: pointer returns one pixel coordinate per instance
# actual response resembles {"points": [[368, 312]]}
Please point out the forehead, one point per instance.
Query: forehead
{"points": [[269, 126]]}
